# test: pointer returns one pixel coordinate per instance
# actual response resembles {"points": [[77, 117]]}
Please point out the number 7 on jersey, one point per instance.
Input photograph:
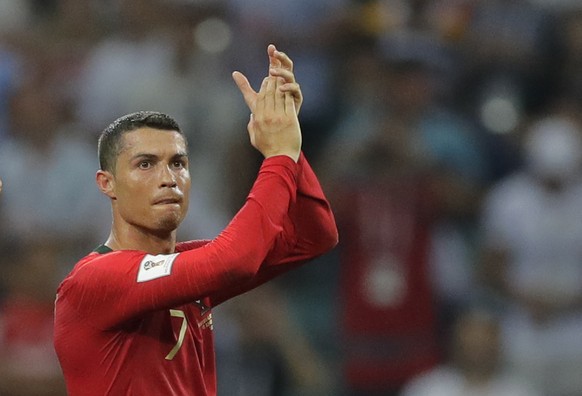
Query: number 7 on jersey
{"points": [[177, 313]]}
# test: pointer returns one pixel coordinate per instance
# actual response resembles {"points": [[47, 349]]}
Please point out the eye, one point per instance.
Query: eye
{"points": [[145, 165], [179, 164]]}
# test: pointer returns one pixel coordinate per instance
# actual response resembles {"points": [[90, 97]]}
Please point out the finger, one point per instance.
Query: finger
{"points": [[273, 60], [289, 104], [295, 90], [292, 88], [261, 96], [270, 93], [249, 94], [283, 59], [279, 93], [287, 75]]}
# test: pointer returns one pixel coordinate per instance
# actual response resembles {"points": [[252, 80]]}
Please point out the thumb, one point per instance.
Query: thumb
{"points": [[249, 94]]}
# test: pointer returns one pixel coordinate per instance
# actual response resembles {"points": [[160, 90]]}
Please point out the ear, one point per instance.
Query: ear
{"points": [[106, 183]]}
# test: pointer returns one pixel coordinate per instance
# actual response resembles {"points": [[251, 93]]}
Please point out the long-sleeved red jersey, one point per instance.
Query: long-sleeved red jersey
{"points": [[131, 323]]}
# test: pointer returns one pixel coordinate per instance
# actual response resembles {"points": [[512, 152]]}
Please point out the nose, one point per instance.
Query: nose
{"points": [[167, 178]]}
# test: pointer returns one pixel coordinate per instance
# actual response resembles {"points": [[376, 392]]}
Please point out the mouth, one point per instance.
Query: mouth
{"points": [[168, 201]]}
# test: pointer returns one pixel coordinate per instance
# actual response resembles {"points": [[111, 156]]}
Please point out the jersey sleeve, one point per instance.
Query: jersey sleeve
{"points": [[311, 221], [309, 231], [113, 288]]}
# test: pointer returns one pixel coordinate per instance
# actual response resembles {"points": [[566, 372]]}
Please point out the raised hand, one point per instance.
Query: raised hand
{"points": [[281, 66], [273, 127]]}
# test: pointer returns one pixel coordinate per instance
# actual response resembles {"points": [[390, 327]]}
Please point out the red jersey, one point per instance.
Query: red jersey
{"points": [[388, 313], [131, 323], [26, 336]]}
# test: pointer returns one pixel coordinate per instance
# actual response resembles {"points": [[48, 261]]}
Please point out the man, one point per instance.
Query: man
{"points": [[531, 256], [476, 365], [28, 362], [133, 317]]}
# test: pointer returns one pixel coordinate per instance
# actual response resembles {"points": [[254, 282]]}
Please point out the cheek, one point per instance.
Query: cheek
{"points": [[133, 193], [184, 182], [186, 190]]}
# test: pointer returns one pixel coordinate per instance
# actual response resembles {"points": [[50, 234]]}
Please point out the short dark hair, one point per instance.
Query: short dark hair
{"points": [[109, 145]]}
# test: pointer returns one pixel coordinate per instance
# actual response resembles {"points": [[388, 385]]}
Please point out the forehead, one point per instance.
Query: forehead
{"points": [[152, 141]]}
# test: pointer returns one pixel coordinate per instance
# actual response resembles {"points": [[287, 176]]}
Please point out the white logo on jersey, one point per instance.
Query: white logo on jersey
{"points": [[153, 267]]}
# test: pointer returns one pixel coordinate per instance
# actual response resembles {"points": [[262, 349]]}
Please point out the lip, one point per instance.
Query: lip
{"points": [[168, 201]]}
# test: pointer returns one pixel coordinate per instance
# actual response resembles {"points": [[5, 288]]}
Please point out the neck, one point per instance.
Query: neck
{"points": [[129, 237]]}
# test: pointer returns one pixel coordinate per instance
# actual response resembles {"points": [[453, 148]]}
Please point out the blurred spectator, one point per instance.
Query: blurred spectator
{"points": [[532, 225], [476, 367], [9, 77], [123, 63], [382, 202], [54, 43], [397, 100], [44, 161], [509, 60], [65, 35], [388, 314], [28, 363], [570, 80], [562, 6], [14, 15], [265, 352]]}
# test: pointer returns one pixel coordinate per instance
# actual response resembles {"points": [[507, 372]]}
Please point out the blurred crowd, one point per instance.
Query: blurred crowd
{"points": [[446, 133]]}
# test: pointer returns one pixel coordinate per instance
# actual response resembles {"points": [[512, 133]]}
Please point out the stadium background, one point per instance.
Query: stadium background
{"points": [[435, 101]]}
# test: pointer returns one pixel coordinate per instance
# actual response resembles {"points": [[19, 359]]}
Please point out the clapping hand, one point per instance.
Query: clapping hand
{"points": [[274, 127]]}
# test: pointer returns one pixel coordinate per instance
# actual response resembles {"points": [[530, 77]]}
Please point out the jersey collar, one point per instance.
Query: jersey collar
{"points": [[102, 249]]}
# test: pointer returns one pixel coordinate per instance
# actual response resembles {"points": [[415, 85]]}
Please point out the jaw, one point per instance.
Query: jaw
{"points": [[168, 217], [159, 223], [166, 225]]}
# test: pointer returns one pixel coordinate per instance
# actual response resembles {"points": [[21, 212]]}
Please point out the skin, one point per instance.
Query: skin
{"points": [[477, 348], [149, 187], [273, 126], [149, 190], [281, 67]]}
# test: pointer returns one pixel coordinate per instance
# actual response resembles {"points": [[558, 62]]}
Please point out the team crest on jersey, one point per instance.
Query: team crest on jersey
{"points": [[206, 321], [153, 267]]}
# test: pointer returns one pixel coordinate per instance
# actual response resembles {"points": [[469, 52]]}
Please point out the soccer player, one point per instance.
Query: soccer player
{"points": [[134, 316]]}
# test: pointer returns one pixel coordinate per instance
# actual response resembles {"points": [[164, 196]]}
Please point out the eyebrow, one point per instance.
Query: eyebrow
{"points": [[181, 154], [143, 156]]}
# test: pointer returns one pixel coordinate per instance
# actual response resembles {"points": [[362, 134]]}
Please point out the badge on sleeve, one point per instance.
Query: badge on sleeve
{"points": [[153, 267]]}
